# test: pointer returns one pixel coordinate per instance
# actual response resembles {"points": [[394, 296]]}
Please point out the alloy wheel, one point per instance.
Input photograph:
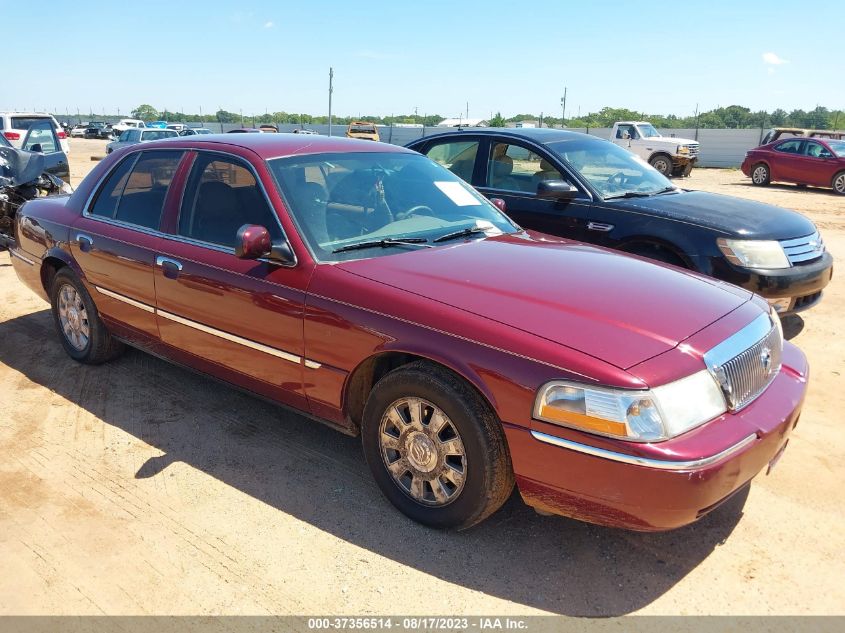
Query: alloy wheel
{"points": [[423, 452], [73, 318], [760, 175]]}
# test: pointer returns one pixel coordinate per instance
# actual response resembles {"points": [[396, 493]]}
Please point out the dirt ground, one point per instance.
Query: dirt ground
{"points": [[140, 488]]}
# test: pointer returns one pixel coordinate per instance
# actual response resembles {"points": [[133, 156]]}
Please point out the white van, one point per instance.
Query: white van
{"points": [[126, 124]]}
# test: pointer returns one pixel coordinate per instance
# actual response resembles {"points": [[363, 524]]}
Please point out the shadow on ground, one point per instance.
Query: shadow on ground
{"points": [[317, 475]]}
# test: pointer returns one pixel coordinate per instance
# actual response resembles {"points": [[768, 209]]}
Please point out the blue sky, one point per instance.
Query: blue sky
{"points": [[394, 57]]}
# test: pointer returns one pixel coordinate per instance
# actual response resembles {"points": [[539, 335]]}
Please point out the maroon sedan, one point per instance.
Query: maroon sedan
{"points": [[804, 161], [369, 288]]}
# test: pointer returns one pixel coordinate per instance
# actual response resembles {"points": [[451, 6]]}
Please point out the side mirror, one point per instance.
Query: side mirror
{"points": [[252, 242], [499, 204], [556, 190], [36, 147]]}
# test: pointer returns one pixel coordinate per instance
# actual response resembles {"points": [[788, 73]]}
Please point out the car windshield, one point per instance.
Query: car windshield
{"points": [[838, 148], [393, 202], [613, 171], [648, 131], [369, 129]]}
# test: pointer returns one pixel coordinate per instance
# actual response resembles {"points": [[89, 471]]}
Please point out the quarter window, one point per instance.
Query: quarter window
{"points": [[135, 191], [222, 195], [515, 168], [459, 158]]}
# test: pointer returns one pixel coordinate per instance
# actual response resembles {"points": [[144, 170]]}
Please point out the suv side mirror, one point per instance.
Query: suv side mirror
{"points": [[556, 190], [252, 242], [36, 147]]}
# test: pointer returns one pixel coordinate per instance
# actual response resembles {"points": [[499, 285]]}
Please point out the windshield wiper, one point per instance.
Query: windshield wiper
{"points": [[390, 241], [642, 194], [470, 230], [670, 189], [629, 194]]}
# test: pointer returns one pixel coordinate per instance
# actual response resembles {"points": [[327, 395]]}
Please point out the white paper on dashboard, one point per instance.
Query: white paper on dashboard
{"points": [[457, 193]]}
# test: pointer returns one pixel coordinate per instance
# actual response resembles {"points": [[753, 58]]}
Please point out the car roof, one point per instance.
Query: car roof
{"points": [[277, 145], [541, 135]]}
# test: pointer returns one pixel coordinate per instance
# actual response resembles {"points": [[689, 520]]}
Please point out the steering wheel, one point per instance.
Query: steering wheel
{"points": [[419, 209], [617, 181]]}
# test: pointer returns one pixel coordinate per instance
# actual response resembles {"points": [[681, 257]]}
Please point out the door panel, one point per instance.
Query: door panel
{"points": [[115, 240], [243, 315]]}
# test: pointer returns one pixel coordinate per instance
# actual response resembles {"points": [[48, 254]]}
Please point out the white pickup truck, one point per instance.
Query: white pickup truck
{"points": [[669, 155]]}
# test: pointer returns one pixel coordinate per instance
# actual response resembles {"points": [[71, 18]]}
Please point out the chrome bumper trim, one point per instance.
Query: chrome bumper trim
{"points": [[14, 253], [643, 461]]}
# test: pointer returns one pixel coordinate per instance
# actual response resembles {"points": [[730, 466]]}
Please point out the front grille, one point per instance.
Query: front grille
{"points": [[747, 362], [748, 374], [693, 150], [803, 249]]}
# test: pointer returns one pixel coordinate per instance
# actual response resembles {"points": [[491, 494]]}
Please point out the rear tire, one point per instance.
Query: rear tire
{"points": [[435, 447], [82, 333], [760, 175], [838, 183], [662, 163]]}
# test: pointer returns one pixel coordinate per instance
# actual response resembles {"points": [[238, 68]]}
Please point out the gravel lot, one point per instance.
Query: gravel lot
{"points": [[139, 488]]}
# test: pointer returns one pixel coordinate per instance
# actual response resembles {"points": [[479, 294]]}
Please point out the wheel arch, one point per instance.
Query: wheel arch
{"points": [[52, 261], [631, 244], [368, 372]]}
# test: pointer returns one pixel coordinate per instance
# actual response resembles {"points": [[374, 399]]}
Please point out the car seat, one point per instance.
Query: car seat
{"points": [[217, 215]]}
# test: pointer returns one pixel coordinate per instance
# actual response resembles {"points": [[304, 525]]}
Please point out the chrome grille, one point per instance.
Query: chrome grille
{"points": [[803, 249], [747, 362]]}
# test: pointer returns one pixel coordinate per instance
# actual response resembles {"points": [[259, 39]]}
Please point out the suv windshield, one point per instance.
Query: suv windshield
{"points": [[392, 202], [613, 171]]}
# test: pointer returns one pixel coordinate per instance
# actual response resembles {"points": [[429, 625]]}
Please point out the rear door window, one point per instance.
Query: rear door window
{"points": [[135, 191], [789, 147]]}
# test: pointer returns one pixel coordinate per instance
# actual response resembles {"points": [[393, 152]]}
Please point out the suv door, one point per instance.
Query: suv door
{"points": [[245, 316], [42, 137], [513, 170], [115, 238]]}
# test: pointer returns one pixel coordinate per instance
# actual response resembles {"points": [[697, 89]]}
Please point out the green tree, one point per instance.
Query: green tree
{"points": [[497, 121], [145, 112]]}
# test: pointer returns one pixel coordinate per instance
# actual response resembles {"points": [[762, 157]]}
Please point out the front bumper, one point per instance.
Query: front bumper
{"points": [[801, 286], [656, 487]]}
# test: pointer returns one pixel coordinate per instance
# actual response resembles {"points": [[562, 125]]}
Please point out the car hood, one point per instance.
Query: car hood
{"points": [[732, 216], [614, 307]]}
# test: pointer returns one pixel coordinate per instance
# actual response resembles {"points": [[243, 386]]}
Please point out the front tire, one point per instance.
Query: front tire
{"points": [[662, 163], [760, 175], [82, 333], [435, 447], [838, 183]]}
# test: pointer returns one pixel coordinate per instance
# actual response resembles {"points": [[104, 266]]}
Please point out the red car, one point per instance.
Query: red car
{"points": [[371, 289], [805, 161]]}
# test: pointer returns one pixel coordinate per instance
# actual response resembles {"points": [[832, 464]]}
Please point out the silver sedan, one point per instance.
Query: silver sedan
{"points": [[135, 135]]}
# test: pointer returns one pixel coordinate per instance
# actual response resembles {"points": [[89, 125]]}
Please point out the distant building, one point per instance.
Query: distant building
{"points": [[463, 123]]}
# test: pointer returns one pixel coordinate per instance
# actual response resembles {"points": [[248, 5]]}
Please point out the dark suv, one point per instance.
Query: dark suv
{"points": [[585, 188]]}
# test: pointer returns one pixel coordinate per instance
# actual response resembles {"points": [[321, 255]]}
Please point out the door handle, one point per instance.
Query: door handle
{"points": [[85, 242], [170, 267]]}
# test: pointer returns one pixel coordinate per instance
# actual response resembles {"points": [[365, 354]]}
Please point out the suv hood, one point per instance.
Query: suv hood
{"points": [[614, 307], [734, 217]]}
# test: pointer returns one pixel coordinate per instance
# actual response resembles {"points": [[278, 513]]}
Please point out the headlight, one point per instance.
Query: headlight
{"points": [[754, 253], [683, 149], [641, 416]]}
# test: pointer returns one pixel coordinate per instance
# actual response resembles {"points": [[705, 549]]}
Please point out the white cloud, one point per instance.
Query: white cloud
{"points": [[269, 25], [773, 60]]}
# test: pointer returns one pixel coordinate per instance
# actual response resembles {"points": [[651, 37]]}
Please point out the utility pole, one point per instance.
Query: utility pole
{"points": [[331, 89], [563, 108], [467, 110]]}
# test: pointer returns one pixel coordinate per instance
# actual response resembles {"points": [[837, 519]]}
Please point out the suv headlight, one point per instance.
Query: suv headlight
{"points": [[683, 149], [641, 416], [754, 253]]}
